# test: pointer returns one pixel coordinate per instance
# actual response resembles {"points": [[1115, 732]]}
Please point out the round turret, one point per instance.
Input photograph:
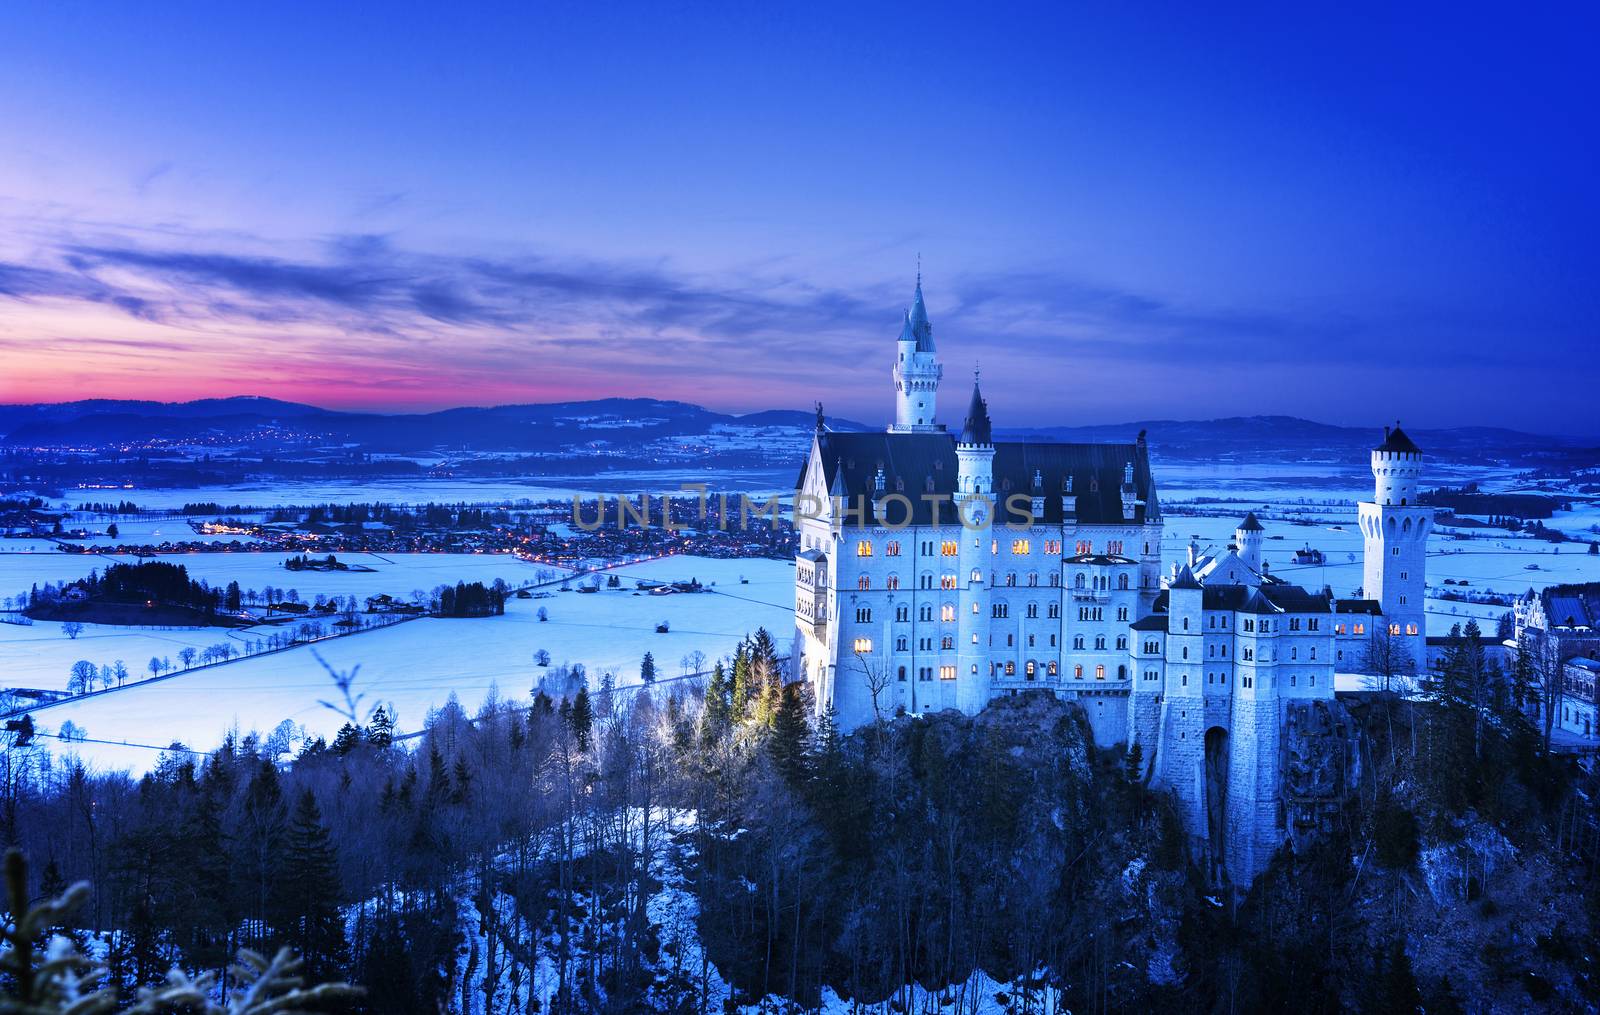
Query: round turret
{"points": [[1396, 468]]}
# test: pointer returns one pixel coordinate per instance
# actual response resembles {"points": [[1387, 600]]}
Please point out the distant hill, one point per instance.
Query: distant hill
{"points": [[1239, 437], [618, 425], [532, 427]]}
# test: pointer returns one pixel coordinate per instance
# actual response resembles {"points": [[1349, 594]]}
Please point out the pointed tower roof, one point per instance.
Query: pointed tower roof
{"points": [[977, 429], [916, 327], [1251, 523], [1185, 579], [1395, 439]]}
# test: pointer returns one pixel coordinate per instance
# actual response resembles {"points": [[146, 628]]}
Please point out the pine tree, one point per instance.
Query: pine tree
{"points": [[306, 911], [788, 742], [739, 697], [381, 733], [647, 669], [347, 739], [582, 721], [716, 716]]}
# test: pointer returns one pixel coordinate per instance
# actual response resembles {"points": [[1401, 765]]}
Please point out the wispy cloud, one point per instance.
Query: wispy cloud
{"points": [[364, 315]]}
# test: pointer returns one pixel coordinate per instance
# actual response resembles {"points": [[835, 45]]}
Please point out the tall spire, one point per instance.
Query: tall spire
{"points": [[917, 329], [977, 429]]}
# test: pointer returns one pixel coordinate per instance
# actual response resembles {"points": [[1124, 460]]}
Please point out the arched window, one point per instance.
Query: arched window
{"points": [[1122, 673], [863, 583], [1077, 671], [902, 674], [1100, 672], [1030, 668], [892, 582], [1077, 580], [1011, 668], [1050, 668], [1122, 581]]}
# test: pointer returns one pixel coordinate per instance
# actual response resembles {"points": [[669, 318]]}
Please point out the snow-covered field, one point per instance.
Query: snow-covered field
{"points": [[415, 667]]}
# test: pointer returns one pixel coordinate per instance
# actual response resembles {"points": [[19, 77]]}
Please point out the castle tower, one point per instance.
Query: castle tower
{"points": [[1242, 763], [975, 498], [1248, 537], [1181, 737], [1395, 531], [916, 372]]}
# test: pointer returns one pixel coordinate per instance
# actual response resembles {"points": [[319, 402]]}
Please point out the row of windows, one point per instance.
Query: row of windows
{"points": [[951, 581], [1019, 547], [925, 673], [1100, 642]]}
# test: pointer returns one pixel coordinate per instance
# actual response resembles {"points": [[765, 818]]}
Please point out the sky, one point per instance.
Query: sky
{"points": [[1133, 212]]}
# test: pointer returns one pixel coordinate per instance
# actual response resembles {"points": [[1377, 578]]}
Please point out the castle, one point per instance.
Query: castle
{"points": [[940, 570]]}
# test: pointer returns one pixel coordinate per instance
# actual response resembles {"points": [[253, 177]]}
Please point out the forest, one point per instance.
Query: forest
{"points": [[695, 847]]}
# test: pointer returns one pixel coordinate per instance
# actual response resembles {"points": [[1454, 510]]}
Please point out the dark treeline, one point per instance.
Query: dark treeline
{"points": [[522, 859], [152, 580], [472, 599]]}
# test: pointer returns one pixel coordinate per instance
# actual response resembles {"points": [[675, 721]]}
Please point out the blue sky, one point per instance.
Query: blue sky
{"points": [[1128, 213]]}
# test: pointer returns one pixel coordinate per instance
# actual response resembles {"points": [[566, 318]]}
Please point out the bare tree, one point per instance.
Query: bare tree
{"points": [[876, 675], [1539, 657], [72, 629], [1387, 657]]}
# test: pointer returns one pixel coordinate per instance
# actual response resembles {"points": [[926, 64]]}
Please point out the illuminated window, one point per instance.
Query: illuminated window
{"points": [[947, 642], [1052, 546], [1077, 671], [1011, 669], [1051, 668], [1020, 546], [1338, 629], [1394, 629], [892, 582], [1360, 629], [1114, 547], [974, 609], [890, 549], [864, 548], [863, 646], [1411, 629], [1029, 669], [947, 581], [947, 673], [1084, 546], [863, 583], [949, 548], [977, 575], [947, 612]]}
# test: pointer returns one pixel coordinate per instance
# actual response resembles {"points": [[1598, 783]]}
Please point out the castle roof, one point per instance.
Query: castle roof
{"points": [[916, 327], [915, 464], [1572, 605], [1280, 597], [1367, 606], [977, 429], [1251, 523], [1184, 579], [1395, 439]]}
